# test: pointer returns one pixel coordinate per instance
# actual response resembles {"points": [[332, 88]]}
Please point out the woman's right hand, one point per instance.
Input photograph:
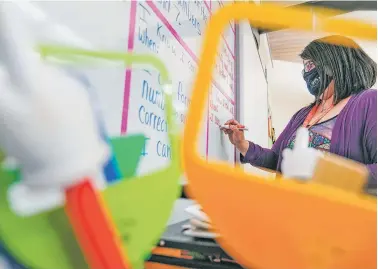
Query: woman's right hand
{"points": [[236, 136]]}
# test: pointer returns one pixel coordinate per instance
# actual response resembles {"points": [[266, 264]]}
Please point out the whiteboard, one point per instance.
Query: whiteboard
{"points": [[174, 31], [131, 100]]}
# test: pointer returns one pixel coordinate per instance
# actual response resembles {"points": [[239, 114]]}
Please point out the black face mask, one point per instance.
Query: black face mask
{"points": [[313, 82]]}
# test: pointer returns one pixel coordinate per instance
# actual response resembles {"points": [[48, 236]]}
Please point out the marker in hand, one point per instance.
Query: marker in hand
{"points": [[227, 127]]}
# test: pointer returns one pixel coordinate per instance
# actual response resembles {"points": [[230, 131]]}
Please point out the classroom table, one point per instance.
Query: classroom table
{"points": [[174, 239]]}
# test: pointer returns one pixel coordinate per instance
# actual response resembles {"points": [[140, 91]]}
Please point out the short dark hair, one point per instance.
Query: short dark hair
{"points": [[342, 58]]}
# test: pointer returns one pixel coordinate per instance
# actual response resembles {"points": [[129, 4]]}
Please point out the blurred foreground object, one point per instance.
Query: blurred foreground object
{"points": [[300, 162], [132, 205], [47, 123], [307, 163], [58, 147], [284, 223]]}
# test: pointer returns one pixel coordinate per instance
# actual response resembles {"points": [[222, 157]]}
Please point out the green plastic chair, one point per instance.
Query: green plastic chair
{"points": [[139, 207], [126, 149]]}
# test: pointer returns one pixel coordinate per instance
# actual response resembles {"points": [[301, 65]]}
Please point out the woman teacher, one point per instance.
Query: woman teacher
{"points": [[343, 117]]}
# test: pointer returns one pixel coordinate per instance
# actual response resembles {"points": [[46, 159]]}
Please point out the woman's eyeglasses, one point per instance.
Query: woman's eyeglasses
{"points": [[308, 66]]}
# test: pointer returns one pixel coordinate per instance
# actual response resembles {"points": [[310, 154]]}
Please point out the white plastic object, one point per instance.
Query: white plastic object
{"points": [[47, 124], [188, 231], [10, 164], [300, 162], [196, 211]]}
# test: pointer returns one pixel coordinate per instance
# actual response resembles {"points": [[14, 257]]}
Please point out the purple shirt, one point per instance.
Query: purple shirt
{"points": [[354, 136]]}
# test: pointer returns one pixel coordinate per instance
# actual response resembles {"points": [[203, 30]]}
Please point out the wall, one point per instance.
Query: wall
{"points": [[288, 92], [264, 51], [253, 91]]}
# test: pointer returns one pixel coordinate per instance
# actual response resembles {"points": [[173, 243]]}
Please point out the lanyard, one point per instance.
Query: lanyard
{"points": [[310, 116]]}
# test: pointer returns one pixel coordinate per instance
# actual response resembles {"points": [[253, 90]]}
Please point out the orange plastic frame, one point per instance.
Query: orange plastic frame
{"points": [[94, 227], [277, 224]]}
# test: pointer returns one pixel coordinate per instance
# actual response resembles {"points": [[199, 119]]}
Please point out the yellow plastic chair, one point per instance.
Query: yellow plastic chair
{"points": [[279, 224]]}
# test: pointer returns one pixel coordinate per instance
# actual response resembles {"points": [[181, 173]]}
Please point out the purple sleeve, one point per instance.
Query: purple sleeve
{"points": [[267, 158], [372, 148], [260, 157], [372, 183], [370, 139]]}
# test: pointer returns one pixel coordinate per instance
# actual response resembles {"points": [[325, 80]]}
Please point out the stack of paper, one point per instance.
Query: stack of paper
{"points": [[199, 224]]}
